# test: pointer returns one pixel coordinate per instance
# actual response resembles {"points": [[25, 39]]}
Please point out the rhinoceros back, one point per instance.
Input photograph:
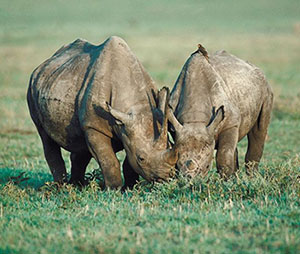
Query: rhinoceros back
{"points": [[245, 86], [68, 92], [54, 89]]}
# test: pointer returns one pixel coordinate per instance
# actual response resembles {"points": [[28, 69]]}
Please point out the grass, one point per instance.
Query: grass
{"points": [[259, 213], [244, 215]]}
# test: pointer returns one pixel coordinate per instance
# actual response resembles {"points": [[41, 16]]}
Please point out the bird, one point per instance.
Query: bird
{"points": [[203, 51]]}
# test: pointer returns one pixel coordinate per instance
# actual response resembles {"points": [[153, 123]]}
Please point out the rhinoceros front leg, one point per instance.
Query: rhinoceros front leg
{"points": [[227, 152], [130, 176], [53, 157], [101, 149], [79, 162]]}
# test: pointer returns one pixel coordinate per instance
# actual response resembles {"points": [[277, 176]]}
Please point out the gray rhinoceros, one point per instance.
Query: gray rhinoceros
{"points": [[95, 101], [243, 99]]}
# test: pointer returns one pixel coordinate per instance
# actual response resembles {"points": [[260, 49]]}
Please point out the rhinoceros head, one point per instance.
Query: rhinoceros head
{"points": [[195, 143], [144, 136]]}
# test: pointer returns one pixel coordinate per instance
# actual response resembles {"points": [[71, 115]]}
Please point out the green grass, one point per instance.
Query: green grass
{"points": [[259, 213]]}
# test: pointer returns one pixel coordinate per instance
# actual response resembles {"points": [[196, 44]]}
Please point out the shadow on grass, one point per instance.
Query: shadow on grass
{"points": [[23, 178]]}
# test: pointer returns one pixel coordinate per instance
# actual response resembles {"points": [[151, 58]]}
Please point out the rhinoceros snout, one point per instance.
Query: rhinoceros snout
{"points": [[189, 167], [164, 175], [190, 164], [192, 168]]}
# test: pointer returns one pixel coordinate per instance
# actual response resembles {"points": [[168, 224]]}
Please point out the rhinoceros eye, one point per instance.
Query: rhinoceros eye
{"points": [[140, 158]]}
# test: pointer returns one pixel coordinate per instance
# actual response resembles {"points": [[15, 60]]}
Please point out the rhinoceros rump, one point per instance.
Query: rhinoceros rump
{"points": [[243, 99], [94, 101]]}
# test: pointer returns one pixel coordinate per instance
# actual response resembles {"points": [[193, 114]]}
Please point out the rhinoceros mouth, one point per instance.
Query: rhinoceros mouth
{"points": [[160, 180], [166, 176]]}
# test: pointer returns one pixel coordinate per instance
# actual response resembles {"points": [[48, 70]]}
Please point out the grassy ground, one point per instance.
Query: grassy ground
{"points": [[247, 214]]}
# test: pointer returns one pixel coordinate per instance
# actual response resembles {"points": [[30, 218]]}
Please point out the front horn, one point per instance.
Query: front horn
{"points": [[171, 156]]}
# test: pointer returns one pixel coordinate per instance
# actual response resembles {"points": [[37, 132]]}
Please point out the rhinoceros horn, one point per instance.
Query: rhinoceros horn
{"points": [[173, 120], [171, 156], [163, 100]]}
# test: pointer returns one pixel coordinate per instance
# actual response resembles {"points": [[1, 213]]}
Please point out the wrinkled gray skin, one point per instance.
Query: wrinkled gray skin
{"points": [[243, 99], [94, 101]]}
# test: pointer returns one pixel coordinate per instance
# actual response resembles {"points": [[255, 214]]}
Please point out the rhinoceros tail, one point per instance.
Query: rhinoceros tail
{"points": [[201, 50]]}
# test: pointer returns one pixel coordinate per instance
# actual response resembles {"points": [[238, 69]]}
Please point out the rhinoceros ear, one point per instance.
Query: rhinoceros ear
{"points": [[216, 118], [120, 117]]}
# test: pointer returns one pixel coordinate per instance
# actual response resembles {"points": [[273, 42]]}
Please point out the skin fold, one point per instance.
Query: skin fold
{"points": [[216, 101], [94, 101]]}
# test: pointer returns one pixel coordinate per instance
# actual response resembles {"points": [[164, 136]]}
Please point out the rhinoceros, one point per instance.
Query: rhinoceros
{"points": [[215, 102], [93, 101]]}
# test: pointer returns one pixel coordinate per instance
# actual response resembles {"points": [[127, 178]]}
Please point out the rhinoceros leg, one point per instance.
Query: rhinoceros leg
{"points": [[53, 156], [257, 136], [130, 176], [101, 149], [227, 152], [236, 158], [79, 162]]}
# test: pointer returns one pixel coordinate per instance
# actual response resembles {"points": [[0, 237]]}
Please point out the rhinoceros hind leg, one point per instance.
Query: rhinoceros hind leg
{"points": [[101, 149], [79, 162], [53, 157], [236, 158], [227, 152], [130, 176], [257, 136]]}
